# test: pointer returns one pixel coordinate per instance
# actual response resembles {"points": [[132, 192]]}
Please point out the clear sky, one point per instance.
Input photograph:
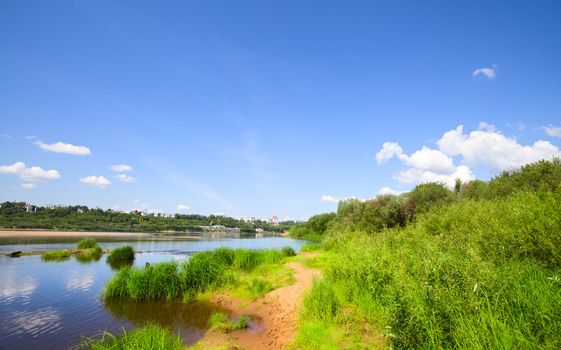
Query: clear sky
{"points": [[255, 108]]}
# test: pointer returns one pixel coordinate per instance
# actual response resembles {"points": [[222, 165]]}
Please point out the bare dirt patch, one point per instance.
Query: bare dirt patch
{"points": [[277, 309]]}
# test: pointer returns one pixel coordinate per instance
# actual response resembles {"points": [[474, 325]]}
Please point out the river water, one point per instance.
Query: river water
{"points": [[51, 305]]}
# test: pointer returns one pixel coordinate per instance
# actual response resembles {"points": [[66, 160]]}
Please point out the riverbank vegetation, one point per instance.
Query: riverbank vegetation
{"points": [[149, 337], [476, 267], [121, 256], [220, 322], [244, 272], [87, 250], [19, 215], [56, 255]]}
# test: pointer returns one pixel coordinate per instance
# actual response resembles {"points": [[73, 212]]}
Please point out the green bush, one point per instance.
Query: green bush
{"points": [[87, 243], [121, 255]]}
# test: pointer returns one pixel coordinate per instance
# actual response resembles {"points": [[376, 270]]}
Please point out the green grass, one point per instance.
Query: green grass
{"points": [[249, 273], [150, 337], [89, 254], [121, 256], [220, 322], [56, 255], [469, 275], [87, 244]]}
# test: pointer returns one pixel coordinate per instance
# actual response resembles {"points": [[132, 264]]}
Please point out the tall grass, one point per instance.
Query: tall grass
{"points": [[220, 322], [202, 271], [150, 337], [89, 254], [471, 275], [56, 255], [87, 243], [121, 256]]}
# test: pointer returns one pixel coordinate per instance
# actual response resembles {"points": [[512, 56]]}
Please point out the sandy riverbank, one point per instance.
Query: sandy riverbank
{"points": [[32, 233]]}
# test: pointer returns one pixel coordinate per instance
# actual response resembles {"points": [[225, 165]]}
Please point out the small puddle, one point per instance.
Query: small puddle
{"points": [[189, 320]]}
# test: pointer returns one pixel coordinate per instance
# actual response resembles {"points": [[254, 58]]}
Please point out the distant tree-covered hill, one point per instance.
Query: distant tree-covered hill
{"points": [[19, 215]]}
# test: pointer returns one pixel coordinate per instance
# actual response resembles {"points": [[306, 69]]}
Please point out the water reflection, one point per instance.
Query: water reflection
{"points": [[77, 281], [34, 323], [189, 319], [14, 288]]}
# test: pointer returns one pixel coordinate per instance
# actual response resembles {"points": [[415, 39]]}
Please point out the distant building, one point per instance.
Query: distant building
{"points": [[274, 220], [28, 208]]}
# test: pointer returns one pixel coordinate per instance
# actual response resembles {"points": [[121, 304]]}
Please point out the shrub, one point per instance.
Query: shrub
{"points": [[87, 243], [288, 251], [121, 255]]}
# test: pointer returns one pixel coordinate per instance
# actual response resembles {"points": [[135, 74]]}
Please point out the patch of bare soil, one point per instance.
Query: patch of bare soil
{"points": [[277, 309]]}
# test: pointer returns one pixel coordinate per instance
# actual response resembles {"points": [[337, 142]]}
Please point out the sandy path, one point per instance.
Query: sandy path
{"points": [[278, 310]]}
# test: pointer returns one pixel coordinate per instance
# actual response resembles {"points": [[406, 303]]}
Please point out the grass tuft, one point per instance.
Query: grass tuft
{"points": [[150, 337], [220, 322], [87, 244], [120, 256], [56, 255]]}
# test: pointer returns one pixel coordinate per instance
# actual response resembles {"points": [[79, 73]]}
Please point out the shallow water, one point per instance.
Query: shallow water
{"points": [[50, 305]]}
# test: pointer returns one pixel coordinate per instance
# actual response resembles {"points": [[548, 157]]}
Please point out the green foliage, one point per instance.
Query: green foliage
{"points": [[313, 229], [480, 274], [56, 255], [14, 215], [121, 255], [476, 268], [220, 322], [288, 251], [89, 254], [202, 271], [150, 337], [87, 243]]}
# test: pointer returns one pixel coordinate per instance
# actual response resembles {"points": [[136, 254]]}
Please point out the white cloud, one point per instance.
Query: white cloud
{"points": [[327, 198], [388, 151], [386, 190], [28, 186], [61, 147], [553, 131], [32, 174], [489, 73], [427, 159], [121, 168], [493, 149], [183, 207], [125, 178], [98, 181]]}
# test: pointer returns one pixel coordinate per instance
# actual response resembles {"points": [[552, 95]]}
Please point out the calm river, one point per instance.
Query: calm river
{"points": [[50, 305]]}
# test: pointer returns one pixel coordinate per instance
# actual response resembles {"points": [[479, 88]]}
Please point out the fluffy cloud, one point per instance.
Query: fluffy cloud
{"points": [[32, 174], [61, 147], [327, 198], [183, 207], [121, 168], [28, 186], [388, 151], [125, 178], [493, 149], [386, 190], [98, 181], [489, 73], [485, 146], [552, 131]]}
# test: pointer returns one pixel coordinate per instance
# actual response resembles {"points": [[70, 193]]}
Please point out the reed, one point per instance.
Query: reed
{"points": [[88, 243], [150, 337], [56, 255], [121, 255]]}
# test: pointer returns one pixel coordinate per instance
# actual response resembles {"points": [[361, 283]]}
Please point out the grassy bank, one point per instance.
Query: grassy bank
{"points": [[147, 338], [247, 273], [468, 272]]}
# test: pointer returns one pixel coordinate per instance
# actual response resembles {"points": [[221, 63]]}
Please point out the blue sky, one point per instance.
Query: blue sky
{"points": [[255, 108]]}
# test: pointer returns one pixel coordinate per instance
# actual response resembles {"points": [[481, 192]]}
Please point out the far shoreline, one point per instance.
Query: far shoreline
{"points": [[49, 233]]}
